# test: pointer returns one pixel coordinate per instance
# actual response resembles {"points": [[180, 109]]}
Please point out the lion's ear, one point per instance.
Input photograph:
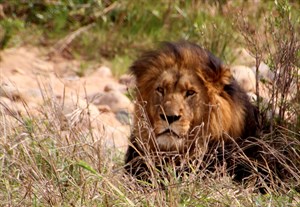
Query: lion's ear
{"points": [[225, 76], [222, 78], [216, 73]]}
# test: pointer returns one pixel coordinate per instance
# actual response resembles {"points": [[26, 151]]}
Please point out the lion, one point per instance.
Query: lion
{"points": [[185, 96]]}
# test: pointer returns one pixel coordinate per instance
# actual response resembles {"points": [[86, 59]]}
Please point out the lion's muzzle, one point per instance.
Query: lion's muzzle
{"points": [[169, 118]]}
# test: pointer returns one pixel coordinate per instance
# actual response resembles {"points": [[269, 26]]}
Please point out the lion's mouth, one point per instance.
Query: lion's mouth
{"points": [[169, 140], [169, 132]]}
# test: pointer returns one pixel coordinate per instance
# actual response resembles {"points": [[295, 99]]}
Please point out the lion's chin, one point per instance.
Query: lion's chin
{"points": [[169, 142]]}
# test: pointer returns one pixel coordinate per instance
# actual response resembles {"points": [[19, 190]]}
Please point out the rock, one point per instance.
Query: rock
{"points": [[86, 118], [245, 77], [115, 138], [247, 80], [26, 95], [17, 109], [78, 112], [115, 87], [104, 108], [80, 106], [127, 80], [243, 57], [103, 72], [93, 84], [9, 91], [116, 100], [265, 74], [252, 96], [124, 117]]}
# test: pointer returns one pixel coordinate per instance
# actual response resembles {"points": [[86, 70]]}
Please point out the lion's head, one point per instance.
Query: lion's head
{"points": [[187, 95]]}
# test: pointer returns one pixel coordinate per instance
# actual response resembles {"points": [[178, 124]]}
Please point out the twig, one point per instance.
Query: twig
{"points": [[62, 44]]}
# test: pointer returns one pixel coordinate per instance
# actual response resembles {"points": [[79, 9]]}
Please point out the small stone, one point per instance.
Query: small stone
{"points": [[264, 72], [245, 77], [124, 117], [104, 72], [104, 108], [116, 100], [9, 91], [127, 80], [115, 87]]}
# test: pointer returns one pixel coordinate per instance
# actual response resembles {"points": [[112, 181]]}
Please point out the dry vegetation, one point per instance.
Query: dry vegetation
{"points": [[43, 165]]}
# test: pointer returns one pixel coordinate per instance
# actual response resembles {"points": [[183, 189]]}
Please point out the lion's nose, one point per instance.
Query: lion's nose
{"points": [[169, 119]]}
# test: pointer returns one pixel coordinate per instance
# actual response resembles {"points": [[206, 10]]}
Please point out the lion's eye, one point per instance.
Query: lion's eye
{"points": [[190, 93], [160, 90]]}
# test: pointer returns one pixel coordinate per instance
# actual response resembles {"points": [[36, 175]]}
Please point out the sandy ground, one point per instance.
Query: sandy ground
{"points": [[30, 76]]}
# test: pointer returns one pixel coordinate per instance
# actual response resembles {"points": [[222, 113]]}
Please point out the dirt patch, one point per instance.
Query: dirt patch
{"points": [[30, 79]]}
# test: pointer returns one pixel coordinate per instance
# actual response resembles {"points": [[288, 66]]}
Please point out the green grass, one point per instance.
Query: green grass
{"points": [[120, 64], [124, 28]]}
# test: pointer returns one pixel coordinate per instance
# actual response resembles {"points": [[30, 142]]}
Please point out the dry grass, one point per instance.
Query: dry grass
{"points": [[279, 48], [267, 164], [46, 161]]}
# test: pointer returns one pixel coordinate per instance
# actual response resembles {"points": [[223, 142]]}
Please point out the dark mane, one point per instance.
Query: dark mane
{"points": [[221, 104], [181, 54]]}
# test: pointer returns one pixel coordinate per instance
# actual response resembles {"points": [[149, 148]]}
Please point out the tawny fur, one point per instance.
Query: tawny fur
{"points": [[186, 85]]}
